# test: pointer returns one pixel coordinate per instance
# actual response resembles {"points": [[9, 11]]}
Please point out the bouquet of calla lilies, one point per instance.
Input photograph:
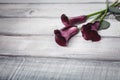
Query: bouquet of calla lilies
{"points": [[90, 30]]}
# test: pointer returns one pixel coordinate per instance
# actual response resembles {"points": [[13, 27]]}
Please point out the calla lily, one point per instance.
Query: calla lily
{"points": [[89, 31], [73, 21], [63, 36]]}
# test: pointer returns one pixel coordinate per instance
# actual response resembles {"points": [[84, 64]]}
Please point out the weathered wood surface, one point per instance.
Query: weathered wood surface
{"points": [[45, 46], [28, 50], [38, 68], [51, 1], [45, 26], [47, 10]]}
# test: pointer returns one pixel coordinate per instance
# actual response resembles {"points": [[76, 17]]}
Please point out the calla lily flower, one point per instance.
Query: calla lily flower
{"points": [[63, 36], [73, 21], [90, 31]]}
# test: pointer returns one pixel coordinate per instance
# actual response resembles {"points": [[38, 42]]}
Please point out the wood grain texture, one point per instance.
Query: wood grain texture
{"points": [[49, 1], [42, 10], [45, 26], [21, 20], [28, 50], [27, 19], [45, 46], [33, 68]]}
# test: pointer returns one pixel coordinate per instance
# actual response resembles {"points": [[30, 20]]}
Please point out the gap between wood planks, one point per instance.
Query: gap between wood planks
{"points": [[37, 35], [52, 57]]}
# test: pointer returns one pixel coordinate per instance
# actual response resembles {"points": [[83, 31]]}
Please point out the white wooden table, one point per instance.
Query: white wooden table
{"points": [[28, 50]]}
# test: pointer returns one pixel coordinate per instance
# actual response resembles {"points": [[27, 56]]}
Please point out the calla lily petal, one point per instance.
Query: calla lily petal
{"points": [[89, 31], [63, 36], [73, 21]]}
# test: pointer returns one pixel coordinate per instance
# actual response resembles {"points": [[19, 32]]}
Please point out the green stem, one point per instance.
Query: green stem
{"points": [[101, 19], [102, 11], [107, 6], [114, 4], [105, 13], [97, 17], [117, 4], [95, 13]]}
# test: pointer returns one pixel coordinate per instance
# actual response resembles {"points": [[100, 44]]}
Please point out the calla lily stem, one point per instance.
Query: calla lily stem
{"points": [[107, 6], [114, 4], [95, 13], [100, 15], [97, 18], [101, 12]]}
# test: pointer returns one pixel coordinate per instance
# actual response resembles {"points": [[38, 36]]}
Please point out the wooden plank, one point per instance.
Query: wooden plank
{"points": [[45, 26], [8, 67], [29, 68], [49, 1], [106, 49], [50, 61], [42, 10]]}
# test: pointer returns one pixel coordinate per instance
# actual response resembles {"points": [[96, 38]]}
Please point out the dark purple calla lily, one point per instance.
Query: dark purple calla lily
{"points": [[62, 36], [73, 20], [89, 31]]}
